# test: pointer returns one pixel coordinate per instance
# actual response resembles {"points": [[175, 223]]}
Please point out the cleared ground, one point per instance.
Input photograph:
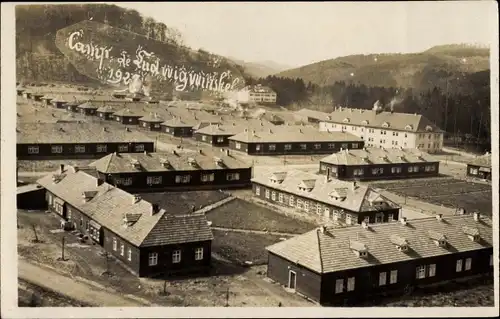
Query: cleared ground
{"points": [[243, 247], [448, 192], [87, 263], [241, 214]]}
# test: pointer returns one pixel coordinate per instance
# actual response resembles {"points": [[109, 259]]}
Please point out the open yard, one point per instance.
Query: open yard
{"points": [[184, 202], [241, 214], [478, 292], [86, 263], [241, 247], [445, 191]]}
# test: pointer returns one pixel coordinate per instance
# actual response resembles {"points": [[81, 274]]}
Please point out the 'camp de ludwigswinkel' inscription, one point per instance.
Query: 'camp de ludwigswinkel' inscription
{"points": [[114, 56]]}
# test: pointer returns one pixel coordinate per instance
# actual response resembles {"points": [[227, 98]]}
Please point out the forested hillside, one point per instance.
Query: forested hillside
{"points": [[420, 71], [37, 56]]}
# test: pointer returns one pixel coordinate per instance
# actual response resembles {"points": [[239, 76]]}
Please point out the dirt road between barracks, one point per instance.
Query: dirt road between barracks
{"points": [[72, 288]]}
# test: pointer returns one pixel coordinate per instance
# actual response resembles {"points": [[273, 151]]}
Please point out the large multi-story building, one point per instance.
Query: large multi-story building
{"points": [[256, 94], [380, 128], [345, 266]]}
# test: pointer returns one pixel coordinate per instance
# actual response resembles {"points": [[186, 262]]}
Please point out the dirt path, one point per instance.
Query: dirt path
{"points": [[72, 288], [249, 231]]}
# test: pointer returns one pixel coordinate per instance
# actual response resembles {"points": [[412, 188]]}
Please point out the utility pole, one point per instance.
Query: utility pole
{"points": [[62, 254], [34, 231], [227, 297]]}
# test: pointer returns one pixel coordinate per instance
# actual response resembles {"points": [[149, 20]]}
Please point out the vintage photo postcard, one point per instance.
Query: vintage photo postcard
{"points": [[238, 159]]}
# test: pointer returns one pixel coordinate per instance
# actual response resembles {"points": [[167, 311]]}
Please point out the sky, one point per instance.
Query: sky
{"points": [[300, 33]]}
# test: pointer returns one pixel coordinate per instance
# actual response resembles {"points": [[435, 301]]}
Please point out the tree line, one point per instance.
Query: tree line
{"points": [[37, 57], [461, 107]]}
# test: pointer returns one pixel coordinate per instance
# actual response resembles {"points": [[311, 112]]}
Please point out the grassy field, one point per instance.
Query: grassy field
{"points": [[241, 247], [241, 214], [447, 192]]}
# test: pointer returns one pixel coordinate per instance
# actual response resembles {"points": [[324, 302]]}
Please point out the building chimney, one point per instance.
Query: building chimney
{"points": [[61, 168], [477, 216], [136, 199], [154, 209], [439, 217]]}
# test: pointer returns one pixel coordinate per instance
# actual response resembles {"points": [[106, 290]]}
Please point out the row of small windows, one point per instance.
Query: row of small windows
{"points": [[100, 148], [179, 179], [288, 147], [319, 208], [380, 170], [155, 125], [384, 132], [153, 257], [220, 139], [421, 272]]}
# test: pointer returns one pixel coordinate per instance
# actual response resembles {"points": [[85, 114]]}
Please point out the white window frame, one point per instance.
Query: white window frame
{"points": [[115, 244], [280, 197], [33, 149], [459, 265], [122, 249], [139, 147], [288, 147], [468, 264], [153, 259], [390, 217], [79, 148], [303, 146], [257, 190], [129, 254], [351, 283], [176, 256], [432, 270], [331, 145], [319, 209], [382, 278], [354, 145], [220, 139], [291, 201], [348, 219], [339, 286], [198, 253], [122, 148], [272, 147], [102, 148], [394, 277], [237, 145], [204, 138], [306, 205], [317, 146], [273, 195], [56, 149], [268, 193], [153, 180], [207, 177], [233, 176], [358, 171], [420, 272]]}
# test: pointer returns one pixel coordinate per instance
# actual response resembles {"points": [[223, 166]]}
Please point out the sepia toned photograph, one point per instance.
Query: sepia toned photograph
{"points": [[324, 156]]}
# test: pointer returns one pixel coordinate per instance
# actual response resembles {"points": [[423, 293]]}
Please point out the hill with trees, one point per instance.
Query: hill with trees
{"points": [[420, 71]]}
